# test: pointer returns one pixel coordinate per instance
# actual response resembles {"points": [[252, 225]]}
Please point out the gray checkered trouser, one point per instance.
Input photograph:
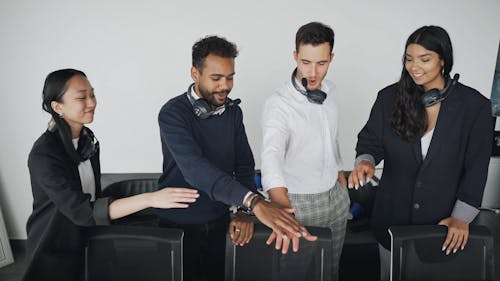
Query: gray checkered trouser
{"points": [[326, 209]]}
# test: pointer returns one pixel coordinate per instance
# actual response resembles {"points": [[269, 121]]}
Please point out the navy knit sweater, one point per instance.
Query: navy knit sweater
{"points": [[211, 155]]}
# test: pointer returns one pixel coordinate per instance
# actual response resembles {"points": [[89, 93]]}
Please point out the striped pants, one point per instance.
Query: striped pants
{"points": [[327, 209]]}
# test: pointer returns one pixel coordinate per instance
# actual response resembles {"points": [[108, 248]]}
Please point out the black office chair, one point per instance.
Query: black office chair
{"points": [[417, 255], [259, 261], [133, 253]]}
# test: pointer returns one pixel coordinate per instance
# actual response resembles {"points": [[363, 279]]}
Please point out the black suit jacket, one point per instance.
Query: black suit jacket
{"points": [[417, 191], [60, 211]]}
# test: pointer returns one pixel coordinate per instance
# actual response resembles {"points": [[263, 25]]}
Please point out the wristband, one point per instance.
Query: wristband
{"points": [[253, 200], [251, 203]]}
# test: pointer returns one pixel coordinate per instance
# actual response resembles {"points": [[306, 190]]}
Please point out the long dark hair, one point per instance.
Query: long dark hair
{"points": [[409, 118], [54, 88]]}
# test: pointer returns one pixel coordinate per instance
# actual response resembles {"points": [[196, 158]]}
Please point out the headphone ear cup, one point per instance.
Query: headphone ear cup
{"points": [[316, 96], [202, 109], [88, 145], [432, 97]]}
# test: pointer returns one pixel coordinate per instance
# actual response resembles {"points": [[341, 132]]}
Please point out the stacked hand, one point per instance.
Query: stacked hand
{"points": [[241, 229], [284, 225]]}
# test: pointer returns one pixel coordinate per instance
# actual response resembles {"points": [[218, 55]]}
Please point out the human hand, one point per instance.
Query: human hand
{"points": [[241, 229], [342, 179], [283, 241], [361, 174], [458, 234], [173, 197], [284, 225]]}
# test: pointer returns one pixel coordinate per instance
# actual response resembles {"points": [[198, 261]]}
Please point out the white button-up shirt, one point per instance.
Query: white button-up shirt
{"points": [[87, 177], [300, 147]]}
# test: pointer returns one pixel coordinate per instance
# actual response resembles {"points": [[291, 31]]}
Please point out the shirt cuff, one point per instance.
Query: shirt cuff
{"points": [[101, 211], [364, 157], [464, 211]]}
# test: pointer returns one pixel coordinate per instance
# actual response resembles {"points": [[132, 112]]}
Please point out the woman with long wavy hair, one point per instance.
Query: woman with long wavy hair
{"points": [[434, 135]]}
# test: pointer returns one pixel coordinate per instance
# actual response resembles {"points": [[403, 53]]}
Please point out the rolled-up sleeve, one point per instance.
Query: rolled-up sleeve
{"points": [[274, 141]]}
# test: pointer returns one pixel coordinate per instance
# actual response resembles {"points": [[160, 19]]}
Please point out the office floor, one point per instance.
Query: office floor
{"points": [[14, 271]]}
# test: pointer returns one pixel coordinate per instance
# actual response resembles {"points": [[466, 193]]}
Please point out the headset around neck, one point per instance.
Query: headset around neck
{"points": [[202, 109], [88, 145], [313, 96], [434, 96]]}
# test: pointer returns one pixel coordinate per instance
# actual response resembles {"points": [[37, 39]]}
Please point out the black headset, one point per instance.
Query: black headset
{"points": [[434, 96], [202, 109], [313, 96], [88, 145]]}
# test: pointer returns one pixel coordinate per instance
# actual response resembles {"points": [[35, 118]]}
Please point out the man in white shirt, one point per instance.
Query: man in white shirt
{"points": [[301, 162]]}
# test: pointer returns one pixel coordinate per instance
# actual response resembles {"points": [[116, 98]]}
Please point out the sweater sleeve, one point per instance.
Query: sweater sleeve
{"points": [[245, 164], [197, 170]]}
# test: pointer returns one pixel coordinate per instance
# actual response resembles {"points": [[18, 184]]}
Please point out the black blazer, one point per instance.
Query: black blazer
{"points": [[416, 191], [60, 211]]}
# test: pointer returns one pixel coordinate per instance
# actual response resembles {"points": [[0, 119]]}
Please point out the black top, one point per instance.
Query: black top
{"points": [[417, 191], [60, 210], [211, 155]]}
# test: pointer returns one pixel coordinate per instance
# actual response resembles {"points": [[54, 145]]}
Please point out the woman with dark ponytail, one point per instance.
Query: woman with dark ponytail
{"points": [[65, 179], [434, 135]]}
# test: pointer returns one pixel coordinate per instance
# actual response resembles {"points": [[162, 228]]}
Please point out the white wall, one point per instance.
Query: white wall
{"points": [[137, 56]]}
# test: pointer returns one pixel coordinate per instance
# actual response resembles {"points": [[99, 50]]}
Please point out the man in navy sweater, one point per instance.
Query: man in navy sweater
{"points": [[205, 147]]}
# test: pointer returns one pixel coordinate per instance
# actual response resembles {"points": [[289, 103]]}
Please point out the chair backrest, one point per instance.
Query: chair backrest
{"points": [[259, 261], [130, 187], [124, 253], [416, 254]]}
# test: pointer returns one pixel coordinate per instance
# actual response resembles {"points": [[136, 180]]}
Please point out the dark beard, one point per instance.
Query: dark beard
{"points": [[209, 96]]}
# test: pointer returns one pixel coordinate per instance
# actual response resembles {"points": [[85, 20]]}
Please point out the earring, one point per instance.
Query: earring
{"points": [[61, 116]]}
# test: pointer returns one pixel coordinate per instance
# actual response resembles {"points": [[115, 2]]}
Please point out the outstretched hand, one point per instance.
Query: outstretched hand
{"points": [[284, 225], [173, 197]]}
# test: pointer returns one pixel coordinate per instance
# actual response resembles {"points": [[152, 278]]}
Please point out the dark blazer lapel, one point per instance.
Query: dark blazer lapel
{"points": [[417, 150], [447, 113]]}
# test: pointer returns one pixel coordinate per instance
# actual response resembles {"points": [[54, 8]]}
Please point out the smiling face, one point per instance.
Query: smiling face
{"points": [[425, 67], [77, 105], [312, 63], [215, 80]]}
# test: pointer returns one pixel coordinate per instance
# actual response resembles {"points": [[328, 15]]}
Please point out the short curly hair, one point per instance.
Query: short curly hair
{"points": [[214, 45]]}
